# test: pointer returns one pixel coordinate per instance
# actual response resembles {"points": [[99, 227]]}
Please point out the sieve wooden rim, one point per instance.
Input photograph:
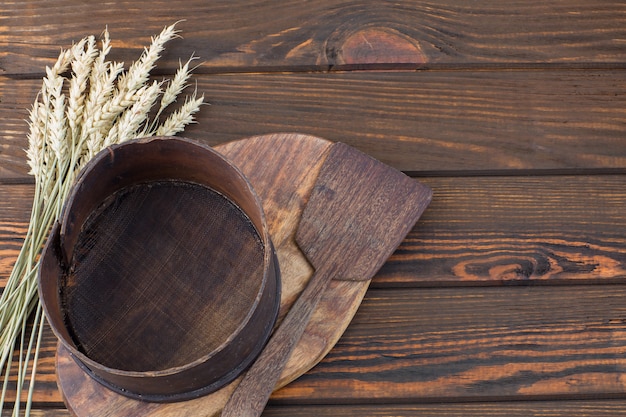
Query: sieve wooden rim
{"points": [[116, 168]]}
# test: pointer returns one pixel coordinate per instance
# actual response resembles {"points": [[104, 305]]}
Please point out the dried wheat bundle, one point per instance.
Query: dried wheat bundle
{"points": [[86, 103]]}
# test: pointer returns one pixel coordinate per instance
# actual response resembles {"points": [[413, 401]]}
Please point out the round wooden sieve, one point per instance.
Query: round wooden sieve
{"points": [[161, 279]]}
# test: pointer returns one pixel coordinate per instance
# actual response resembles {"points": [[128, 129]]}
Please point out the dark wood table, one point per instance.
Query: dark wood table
{"points": [[509, 296]]}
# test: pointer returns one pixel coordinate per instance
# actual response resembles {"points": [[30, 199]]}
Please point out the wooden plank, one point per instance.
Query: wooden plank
{"points": [[497, 409], [356, 215], [15, 205], [577, 408], [476, 231], [474, 344], [432, 121], [526, 341], [41, 412], [499, 230], [511, 218], [247, 35], [460, 345]]}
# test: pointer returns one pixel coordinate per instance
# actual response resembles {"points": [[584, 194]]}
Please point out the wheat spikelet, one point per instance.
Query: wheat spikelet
{"points": [[131, 120], [129, 82], [35, 138], [177, 121], [57, 123], [102, 86], [174, 88], [37, 153], [81, 68], [94, 143], [176, 85], [64, 61], [139, 71], [100, 65]]}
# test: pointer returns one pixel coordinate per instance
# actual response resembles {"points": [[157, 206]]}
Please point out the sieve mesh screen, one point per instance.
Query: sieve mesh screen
{"points": [[162, 274]]}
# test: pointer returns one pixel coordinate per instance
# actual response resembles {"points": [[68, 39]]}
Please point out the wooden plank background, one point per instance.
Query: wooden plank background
{"points": [[425, 121], [508, 296], [295, 35]]}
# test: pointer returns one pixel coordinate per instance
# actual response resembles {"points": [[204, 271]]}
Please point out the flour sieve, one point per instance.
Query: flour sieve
{"points": [[160, 278]]}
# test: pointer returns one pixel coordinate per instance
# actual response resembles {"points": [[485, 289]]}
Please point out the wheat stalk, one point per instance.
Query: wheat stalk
{"points": [[70, 121], [181, 117]]}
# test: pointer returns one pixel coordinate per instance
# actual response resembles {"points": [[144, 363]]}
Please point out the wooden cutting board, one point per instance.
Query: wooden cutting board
{"points": [[282, 169]]}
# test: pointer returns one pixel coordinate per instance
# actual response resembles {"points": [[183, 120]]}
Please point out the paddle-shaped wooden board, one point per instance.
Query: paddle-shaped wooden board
{"points": [[283, 169], [357, 214]]}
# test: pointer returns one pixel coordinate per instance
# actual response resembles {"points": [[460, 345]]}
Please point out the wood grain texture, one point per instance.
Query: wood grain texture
{"points": [[507, 299], [45, 391], [356, 215], [498, 409], [518, 342], [43, 412], [515, 230], [576, 408], [458, 344], [478, 231], [247, 35], [477, 344], [432, 121]]}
